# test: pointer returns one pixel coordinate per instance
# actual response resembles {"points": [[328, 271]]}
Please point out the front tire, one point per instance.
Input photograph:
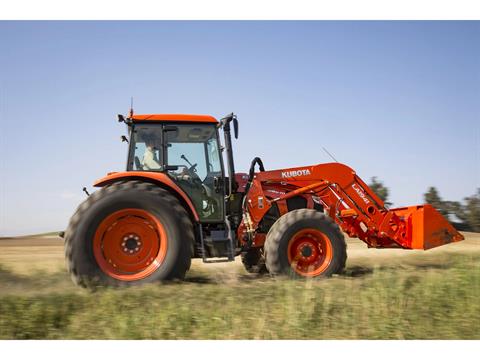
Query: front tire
{"points": [[305, 243], [128, 233]]}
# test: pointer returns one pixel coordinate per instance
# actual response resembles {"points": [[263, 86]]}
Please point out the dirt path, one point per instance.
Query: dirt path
{"points": [[28, 255]]}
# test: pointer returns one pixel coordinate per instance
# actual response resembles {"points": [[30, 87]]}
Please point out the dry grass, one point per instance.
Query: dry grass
{"points": [[388, 294]]}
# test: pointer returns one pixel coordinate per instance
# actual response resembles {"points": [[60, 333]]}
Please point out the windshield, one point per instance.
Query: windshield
{"points": [[193, 146]]}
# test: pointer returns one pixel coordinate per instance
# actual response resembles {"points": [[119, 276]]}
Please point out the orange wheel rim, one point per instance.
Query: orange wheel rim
{"points": [[309, 252], [130, 244]]}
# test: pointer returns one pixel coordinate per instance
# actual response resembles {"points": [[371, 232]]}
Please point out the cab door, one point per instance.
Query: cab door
{"points": [[193, 161]]}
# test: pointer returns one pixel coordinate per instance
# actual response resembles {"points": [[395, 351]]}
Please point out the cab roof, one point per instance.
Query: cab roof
{"points": [[175, 118]]}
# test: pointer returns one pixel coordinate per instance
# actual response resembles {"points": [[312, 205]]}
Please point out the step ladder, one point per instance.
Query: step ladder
{"points": [[218, 236]]}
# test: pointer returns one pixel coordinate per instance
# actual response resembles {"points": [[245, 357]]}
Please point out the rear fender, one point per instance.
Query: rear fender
{"points": [[157, 178]]}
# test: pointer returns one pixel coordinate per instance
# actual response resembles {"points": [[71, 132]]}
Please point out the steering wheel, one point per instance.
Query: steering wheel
{"points": [[191, 172], [193, 169]]}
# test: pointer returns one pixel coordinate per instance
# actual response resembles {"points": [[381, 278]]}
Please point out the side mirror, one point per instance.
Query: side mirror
{"points": [[124, 138], [121, 118], [235, 127], [225, 122]]}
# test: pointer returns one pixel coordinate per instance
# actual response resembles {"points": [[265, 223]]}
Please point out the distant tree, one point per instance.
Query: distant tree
{"points": [[471, 211], [456, 208], [380, 190], [433, 198], [468, 213]]}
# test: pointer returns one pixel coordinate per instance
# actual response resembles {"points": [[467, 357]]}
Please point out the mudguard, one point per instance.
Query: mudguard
{"points": [[155, 177]]}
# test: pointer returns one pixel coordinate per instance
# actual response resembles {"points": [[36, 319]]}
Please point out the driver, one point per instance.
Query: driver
{"points": [[150, 160]]}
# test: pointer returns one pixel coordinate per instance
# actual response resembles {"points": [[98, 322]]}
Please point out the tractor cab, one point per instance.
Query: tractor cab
{"points": [[187, 149]]}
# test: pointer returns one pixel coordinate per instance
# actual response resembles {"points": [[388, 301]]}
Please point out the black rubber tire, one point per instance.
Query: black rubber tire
{"points": [[276, 243], [254, 261], [159, 202]]}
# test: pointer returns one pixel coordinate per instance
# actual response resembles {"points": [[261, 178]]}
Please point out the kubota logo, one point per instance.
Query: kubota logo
{"points": [[360, 193], [294, 173]]}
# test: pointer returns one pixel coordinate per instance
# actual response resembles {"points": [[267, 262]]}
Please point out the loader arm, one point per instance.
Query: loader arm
{"points": [[350, 202]]}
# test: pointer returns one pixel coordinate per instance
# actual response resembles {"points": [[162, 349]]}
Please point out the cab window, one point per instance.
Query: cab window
{"points": [[193, 159], [146, 142]]}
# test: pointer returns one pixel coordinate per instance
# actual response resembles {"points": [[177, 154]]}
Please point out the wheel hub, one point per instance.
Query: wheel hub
{"points": [[309, 252], [306, 251], [131, 244]]}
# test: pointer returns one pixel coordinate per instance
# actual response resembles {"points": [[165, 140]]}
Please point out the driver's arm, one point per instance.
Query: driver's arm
{"points": [[149, 162]]}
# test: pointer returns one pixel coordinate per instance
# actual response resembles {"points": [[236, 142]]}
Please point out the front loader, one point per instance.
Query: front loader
{"points": [[176, 201]]}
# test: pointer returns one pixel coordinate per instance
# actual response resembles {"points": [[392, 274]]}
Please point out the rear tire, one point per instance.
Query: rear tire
{"points": [[128, 233], [254, 261], [305, 243]]}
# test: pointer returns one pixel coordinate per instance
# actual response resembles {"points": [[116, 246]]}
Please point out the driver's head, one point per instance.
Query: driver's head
{"points": [[150, 143]]}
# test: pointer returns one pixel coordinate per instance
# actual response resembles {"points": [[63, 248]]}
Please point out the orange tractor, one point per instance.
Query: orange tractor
{"points": [[174, 202]]}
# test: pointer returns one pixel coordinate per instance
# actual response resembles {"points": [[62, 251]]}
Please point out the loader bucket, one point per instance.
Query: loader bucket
{"points": [[426, 227]]}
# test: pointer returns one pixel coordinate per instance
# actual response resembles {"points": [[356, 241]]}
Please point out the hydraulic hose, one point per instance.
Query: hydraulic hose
{"points": [[251, 172], [251, 175]]}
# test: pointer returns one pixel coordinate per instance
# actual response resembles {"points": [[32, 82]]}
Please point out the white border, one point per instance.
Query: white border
{"points": [[241, 350], [239, 9]]}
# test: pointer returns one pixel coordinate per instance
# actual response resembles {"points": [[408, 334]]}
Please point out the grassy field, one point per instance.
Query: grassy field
{"points": [[384, 294]]}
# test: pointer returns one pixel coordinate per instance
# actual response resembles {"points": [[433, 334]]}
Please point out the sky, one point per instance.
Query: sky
{"points": [[396, 100]]}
